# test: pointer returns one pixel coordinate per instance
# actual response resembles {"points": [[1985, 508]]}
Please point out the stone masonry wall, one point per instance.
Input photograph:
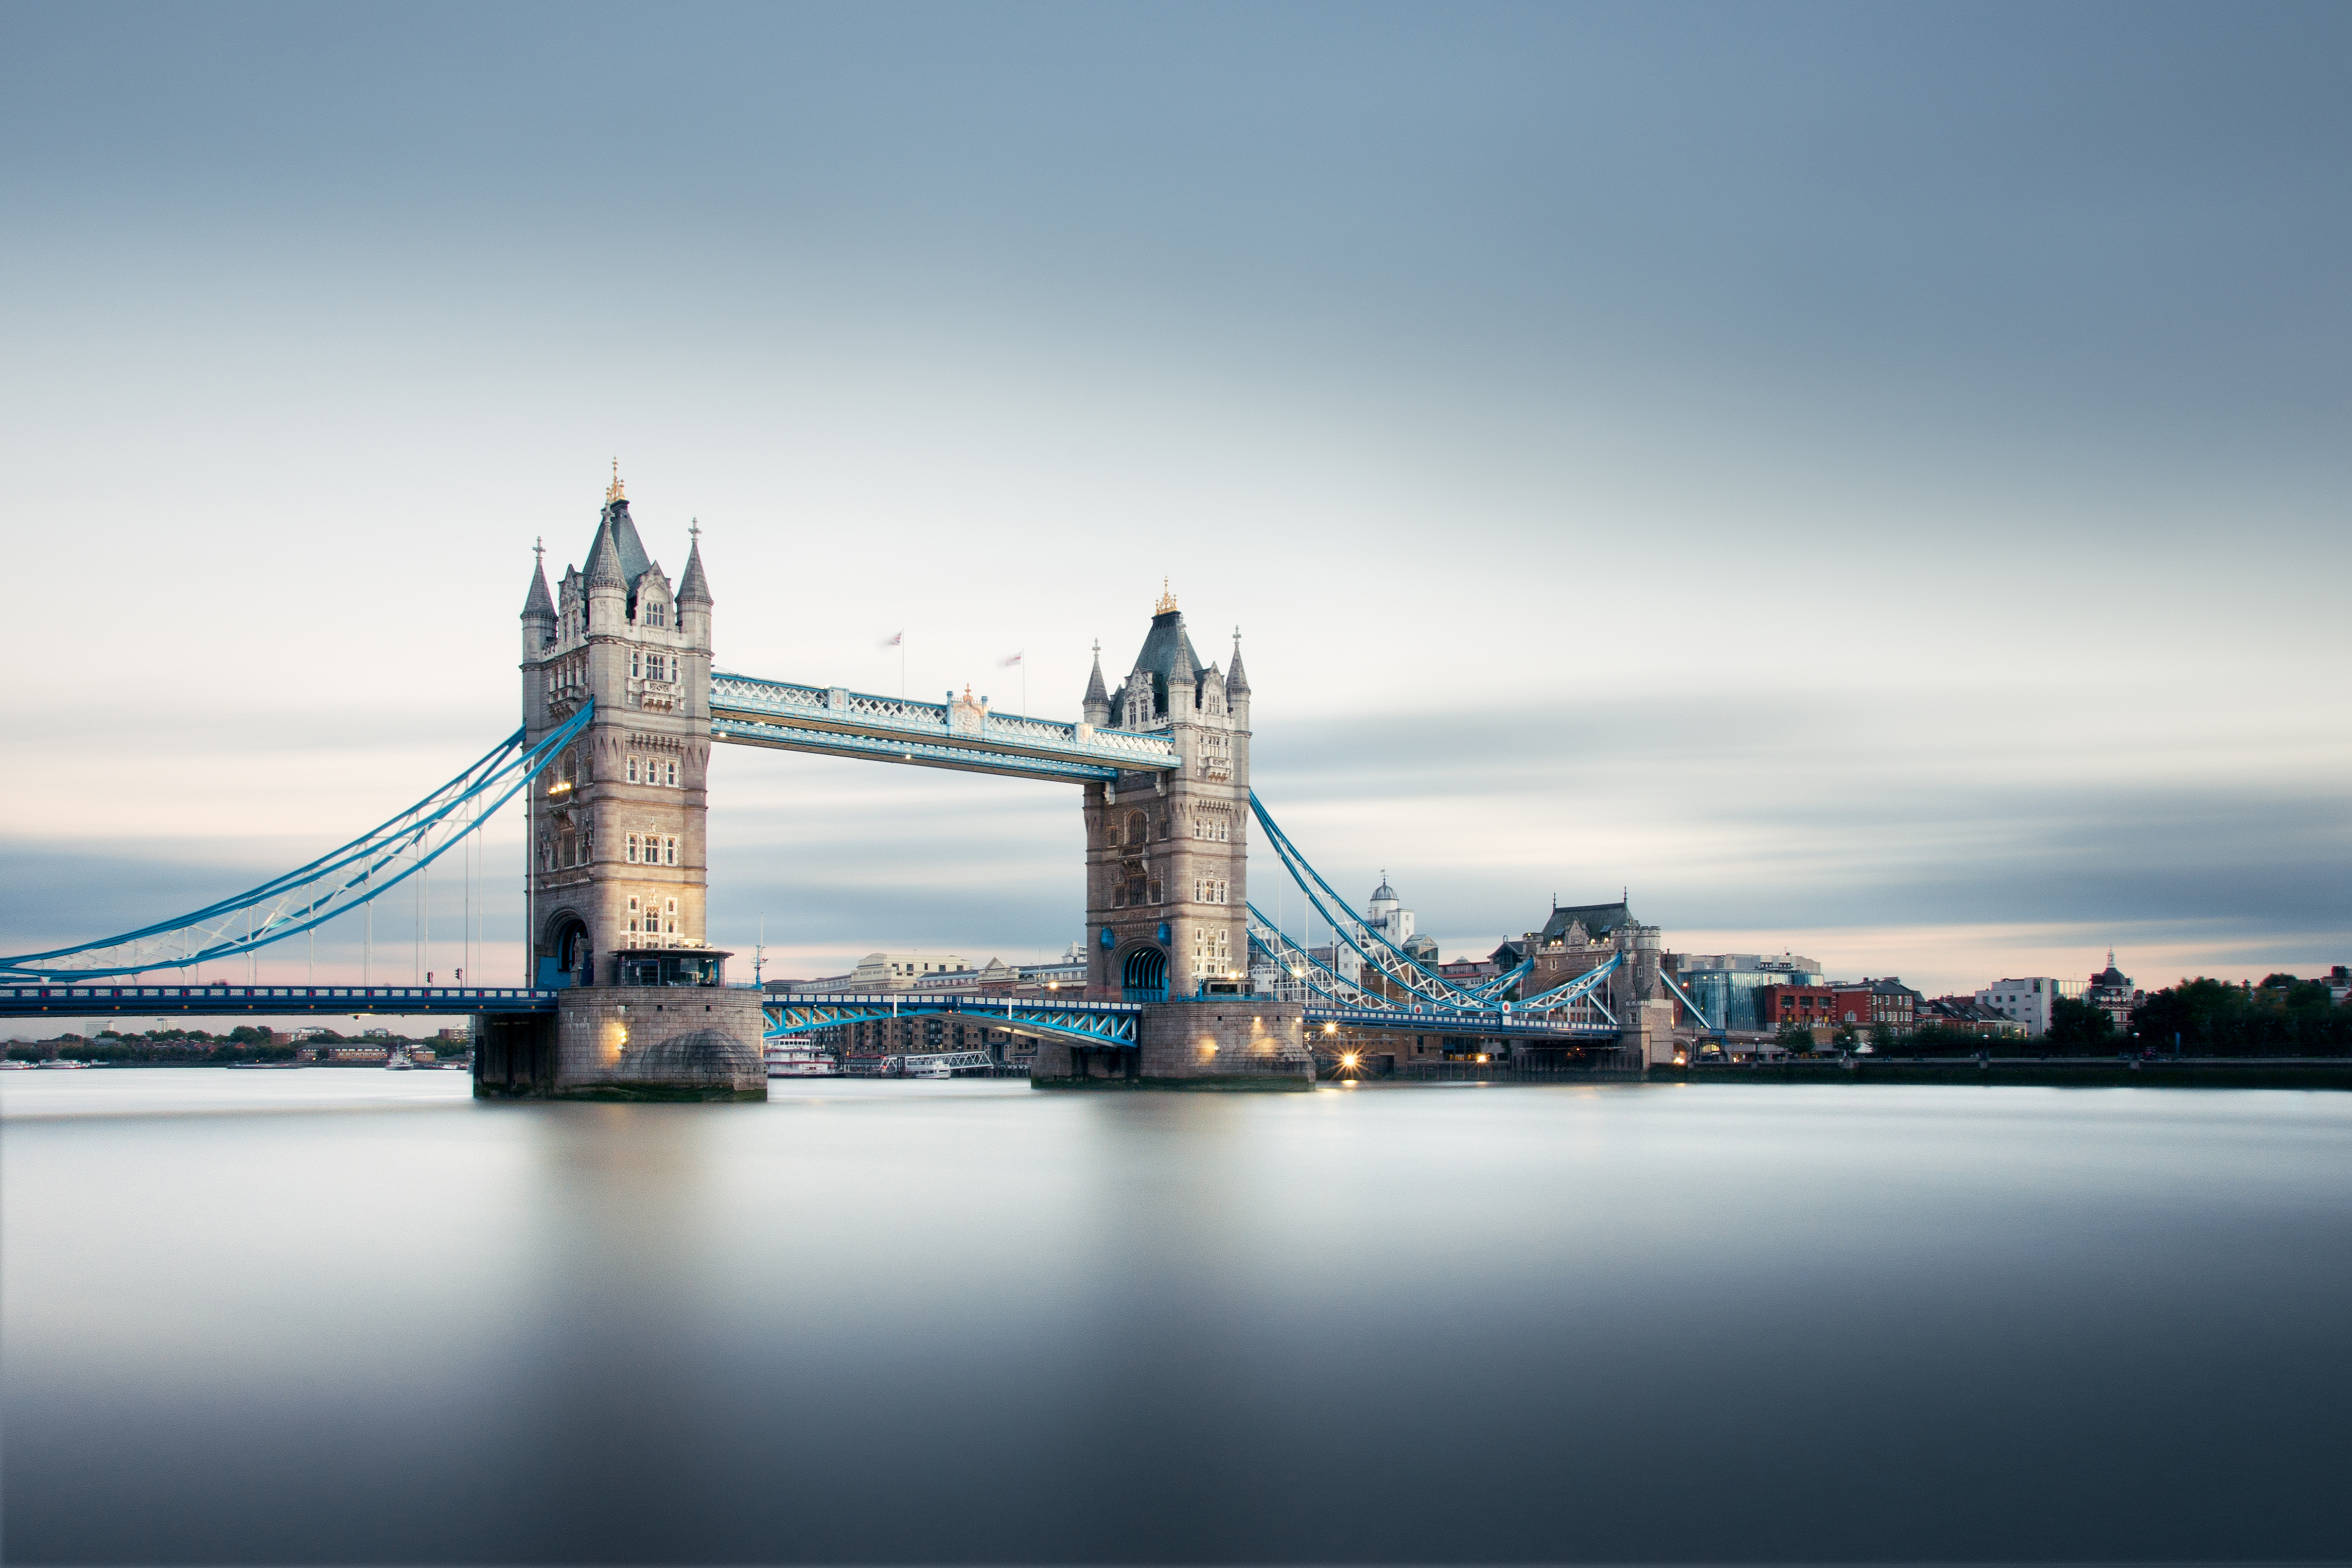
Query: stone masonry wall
{"points": [[653, 1042]]}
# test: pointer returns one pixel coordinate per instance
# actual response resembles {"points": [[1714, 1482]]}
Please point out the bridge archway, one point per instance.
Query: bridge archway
{"points": [[1143, 974], [567, 950]]}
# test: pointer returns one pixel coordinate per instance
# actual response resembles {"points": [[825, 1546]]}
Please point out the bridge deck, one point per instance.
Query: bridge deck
{"points": [[1518, 1026], [835, 722], [160, 1001]]}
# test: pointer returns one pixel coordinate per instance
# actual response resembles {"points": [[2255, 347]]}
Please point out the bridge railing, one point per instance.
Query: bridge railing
{"points": [[827, 707], [262, 1001]]}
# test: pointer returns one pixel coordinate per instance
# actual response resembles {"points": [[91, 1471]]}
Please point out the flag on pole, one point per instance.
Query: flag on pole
{"points": [[894, 640], [1008, 663]]}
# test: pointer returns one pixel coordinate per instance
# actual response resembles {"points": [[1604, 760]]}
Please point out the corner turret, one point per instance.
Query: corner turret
{"points": [[1096, 708]]}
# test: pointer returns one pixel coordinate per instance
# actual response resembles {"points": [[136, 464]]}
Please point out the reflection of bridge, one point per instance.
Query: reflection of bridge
{"points": [[1186, 978]]}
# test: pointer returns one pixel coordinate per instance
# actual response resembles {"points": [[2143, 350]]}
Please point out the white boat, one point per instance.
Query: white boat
{"points": [[797, 1061], [398, 1062]]}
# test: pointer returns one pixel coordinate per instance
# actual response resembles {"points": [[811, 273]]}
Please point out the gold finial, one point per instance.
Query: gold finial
{"points": [[1167, 600], [615, 491]]}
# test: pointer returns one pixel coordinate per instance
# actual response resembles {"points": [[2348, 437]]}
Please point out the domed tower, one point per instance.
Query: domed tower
{"points": [[1167, 886]]}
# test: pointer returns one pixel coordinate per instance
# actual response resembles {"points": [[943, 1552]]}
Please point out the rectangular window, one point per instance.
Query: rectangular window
{"points": [[672, 779], [669, 850], [633, 916], [633, 849]]}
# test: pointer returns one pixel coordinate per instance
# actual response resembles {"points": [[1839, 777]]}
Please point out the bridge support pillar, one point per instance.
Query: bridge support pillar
{"points": [[1650, 1031], [514, 1056], [1211, 1043], [630, 1042]]}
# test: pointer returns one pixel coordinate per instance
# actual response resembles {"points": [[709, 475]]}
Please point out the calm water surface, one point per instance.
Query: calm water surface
{"points": [[352, 1316]]}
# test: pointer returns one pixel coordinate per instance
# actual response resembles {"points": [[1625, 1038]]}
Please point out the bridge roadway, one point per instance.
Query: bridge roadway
{"points": [[965, 735], [223, 999], [1501, 1023], [1100, 1023]]}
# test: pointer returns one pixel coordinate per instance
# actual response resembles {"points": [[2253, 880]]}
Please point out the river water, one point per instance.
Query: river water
{"points": [[352, 1316]]}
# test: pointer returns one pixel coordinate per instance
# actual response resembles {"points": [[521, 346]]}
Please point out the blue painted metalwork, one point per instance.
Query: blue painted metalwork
{"points": [[1684, 997], [309, 896], [1499, 1021], [1271, 943], [1577, 992], [1386, 958], [833, 721], [266, 1001], [1092, 1023]]}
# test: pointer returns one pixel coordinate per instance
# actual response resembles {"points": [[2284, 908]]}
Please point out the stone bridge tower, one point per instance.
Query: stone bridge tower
{"points": [[1167, 854], [617, 854], [616, 822]]}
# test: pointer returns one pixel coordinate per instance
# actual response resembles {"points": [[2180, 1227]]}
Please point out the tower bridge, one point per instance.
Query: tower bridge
{"points": [[1187, 983]]}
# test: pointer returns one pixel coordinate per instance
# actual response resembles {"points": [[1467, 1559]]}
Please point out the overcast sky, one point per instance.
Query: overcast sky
{"points": [[1870, 480]]}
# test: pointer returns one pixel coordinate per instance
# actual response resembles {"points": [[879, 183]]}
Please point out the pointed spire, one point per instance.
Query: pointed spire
{"points": [[1237, 678], [603, 569], [539, 602], [694, 588], [1096, 691]]}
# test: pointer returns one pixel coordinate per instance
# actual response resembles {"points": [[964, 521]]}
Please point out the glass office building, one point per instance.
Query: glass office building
{"points": [[1723, 984]]}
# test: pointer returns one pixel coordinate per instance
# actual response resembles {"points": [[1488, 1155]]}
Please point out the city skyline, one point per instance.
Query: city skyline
{"points": [[1869, 483]]}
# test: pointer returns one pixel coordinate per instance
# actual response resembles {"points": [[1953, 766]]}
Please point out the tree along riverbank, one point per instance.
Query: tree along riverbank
{"points": [[2072, 1071]]}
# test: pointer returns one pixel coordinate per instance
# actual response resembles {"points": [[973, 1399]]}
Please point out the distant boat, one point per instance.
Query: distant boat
{"points": [[15, 1067], [398, 1062], [63, 1065], [796, 1060]]}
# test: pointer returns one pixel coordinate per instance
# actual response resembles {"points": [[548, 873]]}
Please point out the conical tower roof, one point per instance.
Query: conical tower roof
{"points": [[604, 565], [694, 588], [1096, 691], [1158, 654], [539, 602], [626, 545], [1237, 678]]}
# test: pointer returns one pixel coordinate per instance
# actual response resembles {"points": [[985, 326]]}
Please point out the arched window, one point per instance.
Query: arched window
{"points": [[1138, 828]]}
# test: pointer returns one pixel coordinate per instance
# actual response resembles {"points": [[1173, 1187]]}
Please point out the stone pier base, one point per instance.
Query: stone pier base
{"points": [[1217, 1043], [628, 1042]]}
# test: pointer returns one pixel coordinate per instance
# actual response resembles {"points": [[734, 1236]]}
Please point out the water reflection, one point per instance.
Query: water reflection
{"points": [[967, 1322]]}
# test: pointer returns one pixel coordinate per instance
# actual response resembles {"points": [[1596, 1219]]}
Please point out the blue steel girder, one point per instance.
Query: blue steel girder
{"points": [[1436, 1020], [1089, 1023], [1384, 957], [309, 895], [836, 722], [266, 1001], [1684, 997], [1578, 991], [1302, 967]]}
